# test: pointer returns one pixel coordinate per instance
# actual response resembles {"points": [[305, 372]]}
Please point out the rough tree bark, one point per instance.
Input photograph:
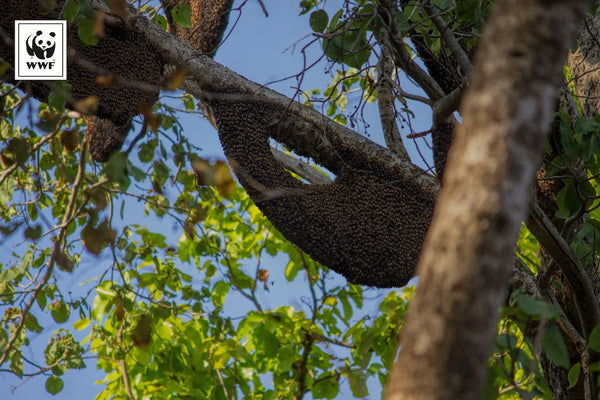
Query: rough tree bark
{"points": [[468, 252]]}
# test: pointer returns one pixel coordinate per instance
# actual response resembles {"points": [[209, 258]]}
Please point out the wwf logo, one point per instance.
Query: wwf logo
{"points": [[40, 49], [41, 45]]}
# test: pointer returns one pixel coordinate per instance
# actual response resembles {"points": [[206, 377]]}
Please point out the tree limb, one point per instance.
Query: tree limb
{"points": [[544, 230], [395, 40], [385, 102], [307, 131], [459, 54], [300, 168]]}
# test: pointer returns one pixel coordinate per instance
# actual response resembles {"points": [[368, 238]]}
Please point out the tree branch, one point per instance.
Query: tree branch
{"points": [[459, 54], [385, 102], [306, 131], [395, 41], [300, 168], [544, 230]]}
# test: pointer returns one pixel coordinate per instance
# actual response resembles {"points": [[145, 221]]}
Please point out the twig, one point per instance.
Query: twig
{"points": [[264, 9], [400, 55], [222, 383], [123, 365], [308, 342]]}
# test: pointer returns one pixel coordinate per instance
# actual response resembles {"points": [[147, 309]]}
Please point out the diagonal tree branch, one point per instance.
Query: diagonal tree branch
{"points": [[306, 131], [556, 245], [459, 54]]}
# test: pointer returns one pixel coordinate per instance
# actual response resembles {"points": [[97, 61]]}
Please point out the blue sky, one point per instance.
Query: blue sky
{"points": [[261, 49]]}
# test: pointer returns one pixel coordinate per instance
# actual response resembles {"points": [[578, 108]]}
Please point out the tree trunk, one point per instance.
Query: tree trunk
{"points": [[468, 252]]}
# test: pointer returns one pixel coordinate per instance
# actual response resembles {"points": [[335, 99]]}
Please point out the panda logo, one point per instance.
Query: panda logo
{"points": [[41, 45]]}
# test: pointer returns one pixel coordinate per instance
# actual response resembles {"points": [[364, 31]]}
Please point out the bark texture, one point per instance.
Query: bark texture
{"points": [[468, 252]]}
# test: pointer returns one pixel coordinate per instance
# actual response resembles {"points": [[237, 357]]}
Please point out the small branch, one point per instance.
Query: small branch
{"points": [[139, 136], [302, 370], [419, 134], [461, 56], [385, 102], [447, 105], [123, 365], [386, 12], [544, 230], [222, 383], [321, 338], [264, 9], [300, 167]]}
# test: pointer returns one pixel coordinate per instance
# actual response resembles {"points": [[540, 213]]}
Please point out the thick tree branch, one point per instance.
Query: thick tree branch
{"points": [[447, 105], [306, 131]]}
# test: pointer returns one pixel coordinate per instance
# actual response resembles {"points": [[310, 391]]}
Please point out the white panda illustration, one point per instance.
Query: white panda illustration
{"points": [[41, 44]]}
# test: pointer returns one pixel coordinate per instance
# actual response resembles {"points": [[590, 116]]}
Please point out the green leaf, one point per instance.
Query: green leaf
{"points": [[534, 307], [165, 330], [326, 388], [82, 324], [182, 15], [59, 95], [219, 292], [594, 340], [71, 10], [33, 233], [554, 346], [574, 375], [161, 21], [54, 384], [60, 311], [116, 170], [568, 200], [318, 21], [85, 31]]}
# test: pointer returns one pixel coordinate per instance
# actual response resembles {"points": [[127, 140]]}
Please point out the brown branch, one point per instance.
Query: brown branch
{"points": [[544, 230], [459, 54], [123, 365], [395, 39], [385, 102], [302, 366], [307, 131], [444, 107], [300, 167]]}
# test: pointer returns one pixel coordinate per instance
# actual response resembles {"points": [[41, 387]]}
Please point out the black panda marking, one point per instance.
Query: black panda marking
{"points": [[41, 45]]}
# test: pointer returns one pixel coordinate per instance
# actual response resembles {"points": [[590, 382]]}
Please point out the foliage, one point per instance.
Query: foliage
{"points": [[167, 315], [195, 313]]}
